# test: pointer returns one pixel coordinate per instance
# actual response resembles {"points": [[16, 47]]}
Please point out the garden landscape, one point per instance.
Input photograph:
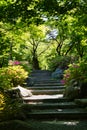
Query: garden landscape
{"points": [[43, 65]]}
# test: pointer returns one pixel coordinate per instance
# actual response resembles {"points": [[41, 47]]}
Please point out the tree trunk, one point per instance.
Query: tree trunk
{"points": [[35, 63], [10, 52]]}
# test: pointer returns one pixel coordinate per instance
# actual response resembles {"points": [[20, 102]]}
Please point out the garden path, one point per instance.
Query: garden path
{"points": [[50, 108]]}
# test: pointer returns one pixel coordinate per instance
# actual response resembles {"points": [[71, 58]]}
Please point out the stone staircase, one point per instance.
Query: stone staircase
{"points": [[48, 102]]}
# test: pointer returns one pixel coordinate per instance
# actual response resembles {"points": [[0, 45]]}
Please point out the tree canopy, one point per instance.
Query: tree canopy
{"points": [[24, 26]]}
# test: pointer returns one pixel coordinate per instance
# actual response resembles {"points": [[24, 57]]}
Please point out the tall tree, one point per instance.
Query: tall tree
{"points": [[35, 42]]}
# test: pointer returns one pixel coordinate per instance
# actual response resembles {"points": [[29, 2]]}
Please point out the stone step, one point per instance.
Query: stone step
{"points": [[58, 114], [61, 105], [41, 78], [47, 92], [48, 81], [42, 75], [56, 124], [41, 72], [45, 87], [43, 83], [48, 102], [47, 84], [46, 99]]}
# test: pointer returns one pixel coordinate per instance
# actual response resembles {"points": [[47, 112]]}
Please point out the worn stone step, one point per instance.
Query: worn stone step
{"points": [[41, 72], [45, 87], [61, 105], [59, 124], [46, 99], [47, 84], [42, 75], [48, 81], [49, 92], [35, 80], [59, 114], [41, 80]]}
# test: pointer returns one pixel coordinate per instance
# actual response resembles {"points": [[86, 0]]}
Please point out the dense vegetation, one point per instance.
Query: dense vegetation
{"points": [[39, 30], [42, 34]]}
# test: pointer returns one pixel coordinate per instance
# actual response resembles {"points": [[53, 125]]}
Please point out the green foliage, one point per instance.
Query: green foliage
{"points": [[13, 10], [61, 61], [34, 37], [12, 76], [75, 80], [77, 72], [22, 39], [26, 66], [72, 92], [11, 106]]}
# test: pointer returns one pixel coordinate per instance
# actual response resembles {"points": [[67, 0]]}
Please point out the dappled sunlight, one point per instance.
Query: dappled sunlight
{"points": [[59, 110], [66, 123], [44, 96], [24, 92], [71, 122], [35, 103], [27, 95]]}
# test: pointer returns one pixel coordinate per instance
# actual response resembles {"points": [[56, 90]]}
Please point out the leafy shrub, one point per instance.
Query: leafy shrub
{"points": [[27, 67], [12, 76], [72, 92], [76, 72], [25, 64], [60, 61], [75, 78], [11, 107]]}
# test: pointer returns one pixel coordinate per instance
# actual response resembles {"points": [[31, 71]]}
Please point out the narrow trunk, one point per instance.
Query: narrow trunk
{"points": [[35, 63]]}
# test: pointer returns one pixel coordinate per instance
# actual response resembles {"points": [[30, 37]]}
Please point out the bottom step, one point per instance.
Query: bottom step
{"points": [[59, 114], [58, 125]]}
